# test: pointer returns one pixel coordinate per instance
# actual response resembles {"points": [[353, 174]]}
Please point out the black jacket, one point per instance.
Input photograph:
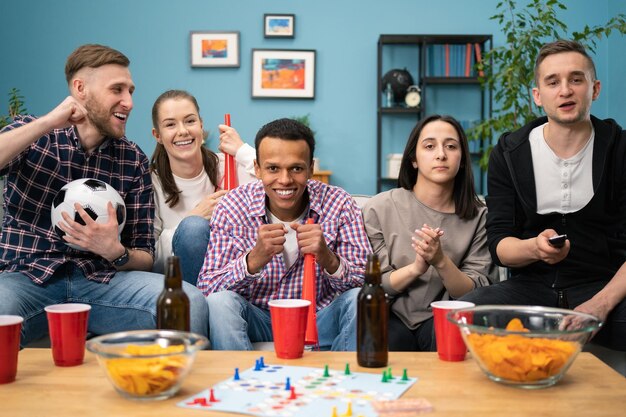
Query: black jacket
{"points": [[597, 232]]}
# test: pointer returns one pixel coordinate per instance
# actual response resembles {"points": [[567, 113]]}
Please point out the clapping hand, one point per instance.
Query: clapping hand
{"points": [[426, 244]]}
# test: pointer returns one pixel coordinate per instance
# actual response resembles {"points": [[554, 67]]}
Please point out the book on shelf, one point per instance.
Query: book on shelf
{"points": [[479, 58], [453, 60]]}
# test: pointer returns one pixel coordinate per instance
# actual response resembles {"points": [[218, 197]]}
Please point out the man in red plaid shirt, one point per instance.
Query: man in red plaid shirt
{"points": [[259, 239]]}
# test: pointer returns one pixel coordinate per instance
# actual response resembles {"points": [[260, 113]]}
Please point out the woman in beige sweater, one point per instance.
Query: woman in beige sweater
{"points": [[430, 232]]}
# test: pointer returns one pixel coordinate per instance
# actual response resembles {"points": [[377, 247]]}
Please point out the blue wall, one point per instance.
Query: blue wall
{"points": [[616, 61], [38, 35]]}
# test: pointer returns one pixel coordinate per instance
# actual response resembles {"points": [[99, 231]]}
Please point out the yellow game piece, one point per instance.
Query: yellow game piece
{"points": [[348, 412], [334, 413]]}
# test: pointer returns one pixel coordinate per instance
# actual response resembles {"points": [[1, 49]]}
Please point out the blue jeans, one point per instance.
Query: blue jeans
{"points": [[189, 243], [127, 302], [235, 323]]}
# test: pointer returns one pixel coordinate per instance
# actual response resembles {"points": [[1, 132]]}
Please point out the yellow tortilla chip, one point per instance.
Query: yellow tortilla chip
{"points": [[149, 375]]}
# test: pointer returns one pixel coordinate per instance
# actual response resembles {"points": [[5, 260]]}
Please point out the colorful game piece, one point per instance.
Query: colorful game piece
{"points": [[199, 401], [348, 412], [236, 377], [326, 373], [212, 397], [257, 365], [334, 413], [405, 377], [347, 371], [262, 361], [287, 384], [385, 378], [389, 375], [293, 395]]}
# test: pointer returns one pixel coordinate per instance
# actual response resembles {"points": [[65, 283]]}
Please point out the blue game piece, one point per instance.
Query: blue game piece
{"points": [[263, 365], [236, 377], [288, 385], [257, 365]]}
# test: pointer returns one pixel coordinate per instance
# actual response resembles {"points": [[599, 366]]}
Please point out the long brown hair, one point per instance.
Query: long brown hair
{"points": [[466, 202], [160, 160]]}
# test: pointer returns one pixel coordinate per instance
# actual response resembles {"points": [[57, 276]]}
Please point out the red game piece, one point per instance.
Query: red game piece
{"points": [[199, 401], [212, 397], [293, 395]]}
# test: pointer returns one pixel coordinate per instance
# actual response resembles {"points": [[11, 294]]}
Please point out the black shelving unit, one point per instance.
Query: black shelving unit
{"points": [[426, 82]]}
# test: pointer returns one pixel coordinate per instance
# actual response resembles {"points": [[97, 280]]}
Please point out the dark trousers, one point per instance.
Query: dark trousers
{"points": [[534, 291], [403, 339]]}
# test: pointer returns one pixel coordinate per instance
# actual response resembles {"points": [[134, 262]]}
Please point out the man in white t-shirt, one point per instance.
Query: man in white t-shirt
{"points": [[561, 175]]}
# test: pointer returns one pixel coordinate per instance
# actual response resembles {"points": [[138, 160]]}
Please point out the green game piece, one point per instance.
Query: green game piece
{"points": [[405, 377], [347, 371], [389, 375], [385, 378], [326, 373]]}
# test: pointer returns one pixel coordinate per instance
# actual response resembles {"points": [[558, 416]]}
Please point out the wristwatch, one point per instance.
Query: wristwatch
{"points": [[123, 259]]}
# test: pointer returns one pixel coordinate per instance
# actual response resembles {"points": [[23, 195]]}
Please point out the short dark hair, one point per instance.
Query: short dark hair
{"points": [[92, 56], [560, 46], [285, 129], [466, 201]]}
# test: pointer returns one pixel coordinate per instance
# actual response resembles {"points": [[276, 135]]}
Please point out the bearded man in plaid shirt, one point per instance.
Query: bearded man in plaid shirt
{"points": [[83, 137], [259, 237]]}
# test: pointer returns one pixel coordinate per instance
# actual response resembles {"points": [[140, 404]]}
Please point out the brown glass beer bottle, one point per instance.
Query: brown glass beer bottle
{"points": [[173, 303], [372, 318]]}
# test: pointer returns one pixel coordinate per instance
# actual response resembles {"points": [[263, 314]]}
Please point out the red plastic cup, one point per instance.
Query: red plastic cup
{"points": [[289, 326], [450, 345], [67, 324], [10, 328]]}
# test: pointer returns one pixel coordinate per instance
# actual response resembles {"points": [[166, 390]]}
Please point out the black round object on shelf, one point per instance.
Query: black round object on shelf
{"points": [[399, 80]]}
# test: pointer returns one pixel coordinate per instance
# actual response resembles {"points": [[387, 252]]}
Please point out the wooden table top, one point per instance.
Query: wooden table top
{"points": [[590, 388]]}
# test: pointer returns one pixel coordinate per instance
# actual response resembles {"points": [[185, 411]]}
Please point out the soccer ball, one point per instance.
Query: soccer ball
{"points": [[93, 195]]}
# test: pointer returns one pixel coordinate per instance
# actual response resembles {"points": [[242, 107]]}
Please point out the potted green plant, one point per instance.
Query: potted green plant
{"points": [[16, 106], [508, 69]]}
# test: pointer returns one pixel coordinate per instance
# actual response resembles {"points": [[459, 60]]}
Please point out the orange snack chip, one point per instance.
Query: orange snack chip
{"points": [[516, 325], [150, 375], [521, 358]]}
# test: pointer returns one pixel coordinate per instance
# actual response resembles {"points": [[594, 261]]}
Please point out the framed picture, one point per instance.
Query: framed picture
{"points": [[214, 49], [279, 25], [283, 73]]}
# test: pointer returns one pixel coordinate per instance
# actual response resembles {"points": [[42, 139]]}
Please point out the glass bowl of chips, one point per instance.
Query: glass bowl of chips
{"points": [[525, 346], [147, 364]]}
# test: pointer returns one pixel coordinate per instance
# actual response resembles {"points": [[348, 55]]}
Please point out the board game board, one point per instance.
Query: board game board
{"points": [[310, 392]]}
